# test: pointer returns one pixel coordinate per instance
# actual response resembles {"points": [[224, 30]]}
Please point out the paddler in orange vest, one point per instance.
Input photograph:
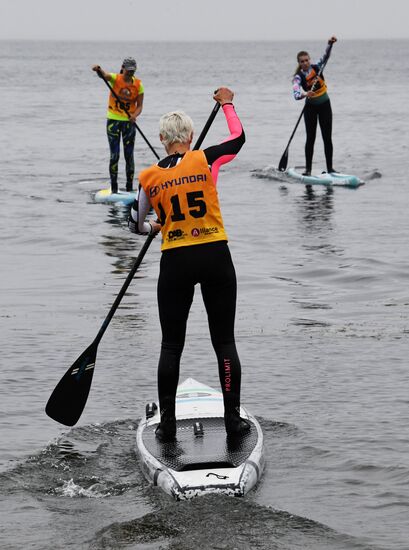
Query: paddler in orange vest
{"points": [[182, 190], [130, 91], [311, 87]]}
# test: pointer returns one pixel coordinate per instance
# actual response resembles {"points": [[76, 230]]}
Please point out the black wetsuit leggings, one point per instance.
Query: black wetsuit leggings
{"points": [[322, 113], [116, 128], [181, 269]]}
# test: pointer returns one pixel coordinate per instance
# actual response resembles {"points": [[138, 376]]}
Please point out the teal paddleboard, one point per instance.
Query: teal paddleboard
{"points": [[327, 179]]}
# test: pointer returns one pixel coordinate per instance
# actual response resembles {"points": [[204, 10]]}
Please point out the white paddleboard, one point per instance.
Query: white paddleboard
{"points": [[202, 459], [329, 179], [105, 196]]}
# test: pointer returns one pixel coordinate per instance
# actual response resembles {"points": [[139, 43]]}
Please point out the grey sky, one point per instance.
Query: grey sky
{"points": [[204, 20]]}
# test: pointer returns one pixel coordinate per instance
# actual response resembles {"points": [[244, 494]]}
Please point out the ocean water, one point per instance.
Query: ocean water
{"points": [[323, 304]]}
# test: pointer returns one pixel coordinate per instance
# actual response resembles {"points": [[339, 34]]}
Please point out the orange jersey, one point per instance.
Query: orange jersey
{"points": [[315, 82], [128, 93], [186, 202]]}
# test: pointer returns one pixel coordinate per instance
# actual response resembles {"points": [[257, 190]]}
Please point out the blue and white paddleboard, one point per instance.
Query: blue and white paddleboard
{"points": [[105, 196], [202, 459], [329, 179]]}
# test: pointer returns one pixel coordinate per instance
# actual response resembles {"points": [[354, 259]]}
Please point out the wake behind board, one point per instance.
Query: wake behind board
{"points": [[202, 459], [332, 179], [105, 196]]}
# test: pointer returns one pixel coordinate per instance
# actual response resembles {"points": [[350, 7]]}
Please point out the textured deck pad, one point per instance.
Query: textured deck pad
{"points": [[212, 449]]}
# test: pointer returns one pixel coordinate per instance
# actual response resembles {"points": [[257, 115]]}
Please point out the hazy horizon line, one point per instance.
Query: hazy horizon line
{"points": [[380, 39]]}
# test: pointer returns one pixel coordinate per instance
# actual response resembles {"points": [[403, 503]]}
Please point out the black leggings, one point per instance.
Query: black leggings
{"points": [[180, 270], [323, 113]]}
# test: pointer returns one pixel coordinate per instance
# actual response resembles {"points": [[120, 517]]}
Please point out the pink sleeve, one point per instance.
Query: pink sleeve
{"points": [[236, 130]]}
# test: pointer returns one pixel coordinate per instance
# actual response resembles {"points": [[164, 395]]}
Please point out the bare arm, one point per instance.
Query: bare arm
{"points": [[139, 106]]}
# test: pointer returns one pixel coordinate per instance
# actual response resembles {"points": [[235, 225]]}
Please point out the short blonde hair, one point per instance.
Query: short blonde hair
{"points": [[175, 127]]}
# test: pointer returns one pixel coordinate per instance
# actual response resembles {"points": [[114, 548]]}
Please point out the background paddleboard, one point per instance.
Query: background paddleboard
{"points": [[105, 196], [329, 179], [203, 459]]}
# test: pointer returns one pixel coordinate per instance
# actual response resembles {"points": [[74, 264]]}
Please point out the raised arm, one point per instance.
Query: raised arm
{"points": [[217, 155], [327, 52]]}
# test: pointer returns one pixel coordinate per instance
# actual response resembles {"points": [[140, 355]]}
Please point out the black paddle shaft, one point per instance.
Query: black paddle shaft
{"points": [[123, 107], [207, 126], [284, 159], [125, 286], [69, 397]]}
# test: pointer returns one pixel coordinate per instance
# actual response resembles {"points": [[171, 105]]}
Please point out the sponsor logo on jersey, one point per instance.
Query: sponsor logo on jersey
{"points": [[196, 232], [125, 93], [175, 235], [185, 179], [199, 178], [153, 191]]}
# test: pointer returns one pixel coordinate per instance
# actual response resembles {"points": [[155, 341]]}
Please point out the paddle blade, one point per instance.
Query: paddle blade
{"points": [[283, 162], [69, 397]]}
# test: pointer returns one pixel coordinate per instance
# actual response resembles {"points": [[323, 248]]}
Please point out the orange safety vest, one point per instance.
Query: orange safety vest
{"points": [[307, 82], [128, 93], [186, 202]]}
